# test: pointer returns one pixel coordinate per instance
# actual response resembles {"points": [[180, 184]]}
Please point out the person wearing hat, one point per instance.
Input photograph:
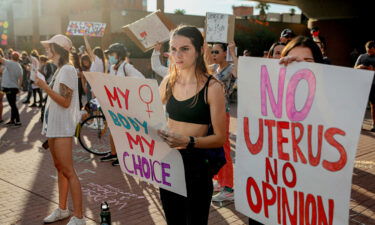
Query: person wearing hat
{"points": [[117, 54], [286, 35], [60, 119]]}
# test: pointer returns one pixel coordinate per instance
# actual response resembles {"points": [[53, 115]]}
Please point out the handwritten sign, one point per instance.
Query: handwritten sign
{"points": [[298, 129], [149, 30], [219, 27], [134, 113], [81, 28]]}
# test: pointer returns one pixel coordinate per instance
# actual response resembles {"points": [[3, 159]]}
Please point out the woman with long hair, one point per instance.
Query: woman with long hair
{"points": [[60, 119], [194, 102]]}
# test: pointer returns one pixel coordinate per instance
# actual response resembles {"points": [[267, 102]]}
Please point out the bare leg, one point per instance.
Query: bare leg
{"points": [[113, 148], [63, 153]]}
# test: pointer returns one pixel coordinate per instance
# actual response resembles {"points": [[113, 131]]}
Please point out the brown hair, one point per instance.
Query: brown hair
{"points": [[306, 42], [64, 54], [197, 41]]}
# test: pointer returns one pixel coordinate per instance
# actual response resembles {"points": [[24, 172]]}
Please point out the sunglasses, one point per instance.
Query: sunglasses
{"points": [[215, 52]]}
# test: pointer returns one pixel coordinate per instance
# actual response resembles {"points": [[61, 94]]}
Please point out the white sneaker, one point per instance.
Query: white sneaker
{"points": [[75, 221], [223, 195], [57, 214], [217, 186]]}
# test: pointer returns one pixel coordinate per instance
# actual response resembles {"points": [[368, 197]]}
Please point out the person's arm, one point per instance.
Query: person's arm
{"points": [[207, 54], [89, 49], [131, 71], [232, 52], [156, 65], [216, 100]]}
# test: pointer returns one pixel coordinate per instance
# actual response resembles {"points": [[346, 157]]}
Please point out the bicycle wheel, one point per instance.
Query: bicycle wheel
{"points": [[94, 135]]}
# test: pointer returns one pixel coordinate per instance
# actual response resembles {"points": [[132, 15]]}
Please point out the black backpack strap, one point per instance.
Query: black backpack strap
{"points": [[206, 88], [124, 69]]}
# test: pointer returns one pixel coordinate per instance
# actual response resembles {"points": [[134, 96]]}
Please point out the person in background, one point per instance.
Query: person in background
{"points": [[194, 100], [286, 36], [227, 73], [156, 65], [10, 83], [367, 62], [117, 58], [85, 67], [275, 50], [34, 69], [60, 119], [25, 63], [246, 52]]}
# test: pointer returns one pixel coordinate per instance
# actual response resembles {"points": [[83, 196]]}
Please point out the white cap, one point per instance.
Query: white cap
{"points": [[61, 40]]}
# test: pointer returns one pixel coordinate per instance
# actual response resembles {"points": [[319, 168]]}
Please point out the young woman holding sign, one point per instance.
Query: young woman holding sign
{"points": [[60, 119], [300, 49], [194, 101]]}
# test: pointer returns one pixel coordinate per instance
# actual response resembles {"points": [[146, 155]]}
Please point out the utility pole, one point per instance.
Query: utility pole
{"points": [[160, 5]]}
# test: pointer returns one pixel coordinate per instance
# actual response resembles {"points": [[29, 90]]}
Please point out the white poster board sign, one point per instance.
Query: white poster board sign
{"points": [[298, 129], [149, 30], [219, 27], [80, 28], [134, 113]]}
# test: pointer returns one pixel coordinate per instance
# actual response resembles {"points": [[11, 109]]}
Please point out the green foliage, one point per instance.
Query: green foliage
{"points": [[179, 11]]}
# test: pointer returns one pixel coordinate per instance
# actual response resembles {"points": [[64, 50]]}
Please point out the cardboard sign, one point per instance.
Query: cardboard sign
{"points": [[134, 113], [149, 30], [219, 27], [81, 28], [298, 129]]}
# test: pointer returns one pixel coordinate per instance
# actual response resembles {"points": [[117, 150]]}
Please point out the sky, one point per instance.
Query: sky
{"points": [[200, 7]]}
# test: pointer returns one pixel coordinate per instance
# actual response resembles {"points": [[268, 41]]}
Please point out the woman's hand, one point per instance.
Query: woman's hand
{"points": [[174, 140], [232, 48], [157, 47], [289, 59], [41, 83]]}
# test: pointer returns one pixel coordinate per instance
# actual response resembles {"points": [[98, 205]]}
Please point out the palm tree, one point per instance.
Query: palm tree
{"points": [[292, 11], [179, 11], [263, 7]]}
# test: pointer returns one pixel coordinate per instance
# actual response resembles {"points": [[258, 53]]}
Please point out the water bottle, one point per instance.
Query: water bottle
{"points": [[105, 214]]}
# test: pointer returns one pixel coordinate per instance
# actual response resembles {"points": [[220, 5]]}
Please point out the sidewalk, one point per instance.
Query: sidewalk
{"points": [[28, 187]]}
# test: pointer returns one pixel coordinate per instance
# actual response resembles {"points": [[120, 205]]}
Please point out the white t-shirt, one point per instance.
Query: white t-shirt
{"points": [[97, 65], [129, 70], [60, 121], [34, 67]]}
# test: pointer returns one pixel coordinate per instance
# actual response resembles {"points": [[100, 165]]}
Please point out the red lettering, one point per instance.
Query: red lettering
{"points": [[251, 184], [295, 141], [113, 97], [286, 209], [257, 147], [339, 164], [310, 218], [266, 200], [315, 160], [151, 145], [293, 182], [136, 141], [322, 217], [270, 171], [125, 96], [270, 124], [281, 139], [301, 198]]}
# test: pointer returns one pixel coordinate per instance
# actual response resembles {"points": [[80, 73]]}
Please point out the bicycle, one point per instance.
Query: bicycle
{"points": [[93, 132]]}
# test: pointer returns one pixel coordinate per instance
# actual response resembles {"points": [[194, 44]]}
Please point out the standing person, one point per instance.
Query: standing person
{"points": [[367, 62], [25, 63], [85, 66], [77, 65], [34, 69], [226, 73], [60, 119], [11, 82], [194, 101], [156, 65], [246, 52], [117, 58], [286, 36]]}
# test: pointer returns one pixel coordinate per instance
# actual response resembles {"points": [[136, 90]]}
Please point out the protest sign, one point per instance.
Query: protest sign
{"points": [[298, 129], [80, 28], [149, 30], [4, 32], [134, 113], [219, 27]]}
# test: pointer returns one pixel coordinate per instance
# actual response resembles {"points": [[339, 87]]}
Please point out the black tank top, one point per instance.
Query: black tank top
{"points": [[185, 111]]}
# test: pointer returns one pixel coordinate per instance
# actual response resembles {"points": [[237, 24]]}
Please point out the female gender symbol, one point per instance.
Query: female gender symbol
{"points": [[145, 101]]}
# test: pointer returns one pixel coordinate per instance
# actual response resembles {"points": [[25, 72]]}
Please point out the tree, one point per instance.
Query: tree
{"points": [[179, 11], [263, 7], [292, 11]]}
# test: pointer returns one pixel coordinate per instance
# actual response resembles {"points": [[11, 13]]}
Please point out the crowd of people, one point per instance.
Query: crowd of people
{"points": [[196, 88]]}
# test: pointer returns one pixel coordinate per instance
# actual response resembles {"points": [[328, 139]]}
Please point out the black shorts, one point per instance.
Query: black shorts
{"points": [[372, 94]]}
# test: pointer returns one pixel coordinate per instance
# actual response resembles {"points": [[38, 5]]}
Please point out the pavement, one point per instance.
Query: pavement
{"points": [[28, 183]]}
